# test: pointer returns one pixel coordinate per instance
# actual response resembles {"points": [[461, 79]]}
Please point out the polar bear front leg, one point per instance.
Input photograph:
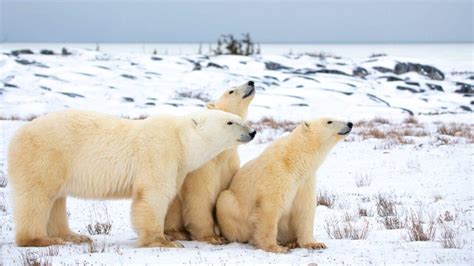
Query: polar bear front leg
{"points": [[302, 216], [268, 213], [149, 206]]}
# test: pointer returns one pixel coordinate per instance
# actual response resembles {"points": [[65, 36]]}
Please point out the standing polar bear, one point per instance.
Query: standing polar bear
{"points": [[95, 156], [271, 199], [193, 209]]}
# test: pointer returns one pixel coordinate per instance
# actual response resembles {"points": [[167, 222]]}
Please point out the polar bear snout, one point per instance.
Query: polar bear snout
{"points": [[249, 135], [346, 129]]}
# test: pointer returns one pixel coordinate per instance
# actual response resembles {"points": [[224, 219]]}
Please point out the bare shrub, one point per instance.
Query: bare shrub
{"points": [[190, 94], [380, 120], [419, 229], [387, 210], [39, 258], [93, 247], [457, 130], [326, 199], [363, 212], [385, 206], [376, 133], [234, 46], [410, 120], [97, 227], [3, 179], [450, 238], [346, 228], [3, 203], [363, 180]]}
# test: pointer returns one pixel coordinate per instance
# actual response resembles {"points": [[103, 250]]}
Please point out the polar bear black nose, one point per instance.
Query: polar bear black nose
{"points": [[253, 133], [251, 83], [350, 124]]}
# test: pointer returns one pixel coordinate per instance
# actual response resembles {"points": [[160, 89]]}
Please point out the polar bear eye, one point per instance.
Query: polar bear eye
{"points": [[230, 92], [230, 123], [329, 122]]}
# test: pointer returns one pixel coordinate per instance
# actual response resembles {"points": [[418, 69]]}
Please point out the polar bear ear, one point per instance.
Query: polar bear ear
{"points": [[306, 124], [211, 105]]}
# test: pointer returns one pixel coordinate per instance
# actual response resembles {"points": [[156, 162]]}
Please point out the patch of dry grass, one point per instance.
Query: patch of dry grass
{"points": [[19, 118], [457, 130], [346, 228], [271, 123], [324, 198], [39, 258], [3, 179], [363, 180], [420, 228]]}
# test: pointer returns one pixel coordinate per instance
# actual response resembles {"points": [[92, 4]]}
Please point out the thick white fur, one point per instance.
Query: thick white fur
{"points": [[193, 210], [271, 199], [95, 156]]}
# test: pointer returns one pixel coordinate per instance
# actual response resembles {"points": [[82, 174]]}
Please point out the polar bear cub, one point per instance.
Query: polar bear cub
{"points": [[95, 156], [194, 208], [271, 199]]}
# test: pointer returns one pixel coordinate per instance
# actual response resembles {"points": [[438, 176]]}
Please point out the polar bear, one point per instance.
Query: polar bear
{"points": [[193, 209], [271, 199], [95, 156]]}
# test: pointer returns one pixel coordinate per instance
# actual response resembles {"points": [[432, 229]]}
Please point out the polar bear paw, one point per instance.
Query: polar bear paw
{"points": [[315, 245]]}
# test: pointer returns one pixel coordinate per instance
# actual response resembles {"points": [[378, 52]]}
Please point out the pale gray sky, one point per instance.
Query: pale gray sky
{"points": [[268, 21]]}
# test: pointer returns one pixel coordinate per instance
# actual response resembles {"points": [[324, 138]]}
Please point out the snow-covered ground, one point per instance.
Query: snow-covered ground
{"points": [[421, 167]]}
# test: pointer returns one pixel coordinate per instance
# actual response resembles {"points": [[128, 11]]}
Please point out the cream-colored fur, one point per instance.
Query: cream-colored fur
{"points": [[193, 209], [95, 156], [271, 199]]}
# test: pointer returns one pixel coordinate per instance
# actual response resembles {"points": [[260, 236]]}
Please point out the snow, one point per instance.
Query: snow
{"points": [[424, 177]]}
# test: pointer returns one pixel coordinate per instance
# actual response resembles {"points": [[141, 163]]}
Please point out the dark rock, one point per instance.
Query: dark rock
{"points": [[72, 94], [211, 64], [466, 108], [464, 88], [21, 51], [383, 69], [42, 75], [197, 67], [103, 67], [412, 83], [271, 77], [377, 99], [150, 103], [299, 86], [65, 52], [332, 71], [46, 52], [341, 64], [435, 87], [151, 98], [425, 70], [153, 73], [128, 76], [403, 88], [243, 62], [85, 74], [128, 99], [174, 104], [27, 62], [45, 88], [275, 66], [471, 78], [133, 64], [472, 102], [300, 104], [155, 58], [9, 85], [392, 78], [360, 72]]}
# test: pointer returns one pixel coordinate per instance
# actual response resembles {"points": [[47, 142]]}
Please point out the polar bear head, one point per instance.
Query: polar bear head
{"points": [[327, 130], [221, 128], [235, 100], [212, 132]]}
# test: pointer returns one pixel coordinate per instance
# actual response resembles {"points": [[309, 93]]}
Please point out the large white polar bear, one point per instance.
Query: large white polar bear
{"points": [[95, 156], [193, 210]]}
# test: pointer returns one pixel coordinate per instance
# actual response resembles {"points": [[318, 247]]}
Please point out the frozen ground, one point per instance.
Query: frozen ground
{"points": [[421, 167]]}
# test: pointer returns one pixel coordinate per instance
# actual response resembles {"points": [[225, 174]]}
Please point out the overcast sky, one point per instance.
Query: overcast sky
{"points": [[268, 21]]}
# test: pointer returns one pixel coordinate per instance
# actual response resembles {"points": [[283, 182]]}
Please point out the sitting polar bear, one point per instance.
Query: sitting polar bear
{"points": [[271, 199], [95, 156], [194, 208]]}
